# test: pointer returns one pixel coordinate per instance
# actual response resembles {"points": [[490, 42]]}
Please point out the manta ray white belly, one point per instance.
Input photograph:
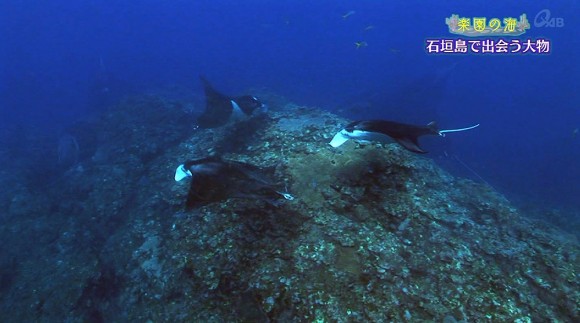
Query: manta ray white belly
{"points": [[237, 113], [181, 173], [343, 136]]}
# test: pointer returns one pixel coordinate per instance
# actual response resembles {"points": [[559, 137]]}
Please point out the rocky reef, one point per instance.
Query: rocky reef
{"points": [[374, 234]]}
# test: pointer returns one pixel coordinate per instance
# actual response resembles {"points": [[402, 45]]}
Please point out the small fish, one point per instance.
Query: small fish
{"points": [[369, 27], [394, 50], [575, 132], [348, 14], [360, 44]]}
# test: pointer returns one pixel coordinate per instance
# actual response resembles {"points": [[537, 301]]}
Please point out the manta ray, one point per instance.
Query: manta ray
{"points": [[406, 135], [214, 179], [221, 109]]}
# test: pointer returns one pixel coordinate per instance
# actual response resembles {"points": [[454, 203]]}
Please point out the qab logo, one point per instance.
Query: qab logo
{"points": [[544, 19]]}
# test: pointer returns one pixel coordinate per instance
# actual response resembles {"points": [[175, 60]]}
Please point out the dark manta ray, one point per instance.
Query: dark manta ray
{"points": [[384, 131], [214, 179], [221, 109]]}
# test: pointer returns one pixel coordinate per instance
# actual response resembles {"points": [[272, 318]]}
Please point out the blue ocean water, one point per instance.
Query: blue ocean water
{"points": [[61, 60], [93, 227]]}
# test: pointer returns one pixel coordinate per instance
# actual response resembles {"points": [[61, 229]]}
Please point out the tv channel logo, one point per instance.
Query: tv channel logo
{"points": [[544, 19]]}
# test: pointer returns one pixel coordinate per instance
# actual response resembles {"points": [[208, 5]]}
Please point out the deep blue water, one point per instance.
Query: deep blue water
{"points": [[57, 56]]}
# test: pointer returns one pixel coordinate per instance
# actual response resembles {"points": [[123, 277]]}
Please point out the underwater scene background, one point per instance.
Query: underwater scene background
{"points": [[99, 103]]}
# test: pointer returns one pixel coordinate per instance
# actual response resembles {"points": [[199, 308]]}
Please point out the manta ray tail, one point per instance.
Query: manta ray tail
{"points": [[442, 132]]}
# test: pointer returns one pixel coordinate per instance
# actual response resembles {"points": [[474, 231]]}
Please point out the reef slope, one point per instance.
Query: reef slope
{"points": [[375, 233]]}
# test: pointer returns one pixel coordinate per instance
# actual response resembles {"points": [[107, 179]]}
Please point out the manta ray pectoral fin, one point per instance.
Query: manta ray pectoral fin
{"points": [[410, 144], [339, 139], [181, 173], [208, 88]]}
